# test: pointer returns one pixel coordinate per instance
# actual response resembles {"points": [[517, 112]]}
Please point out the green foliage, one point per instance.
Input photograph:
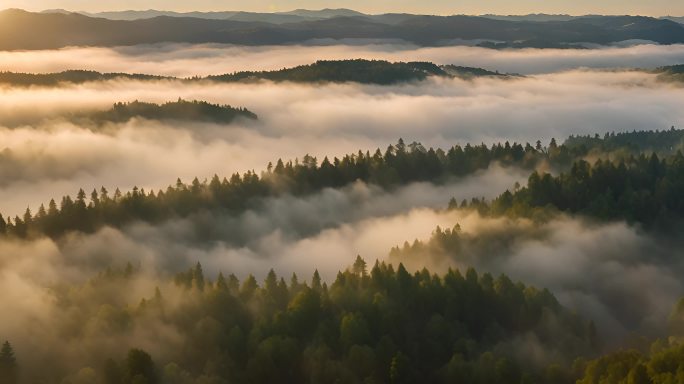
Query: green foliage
{"points": [[664, 365], [399, 165], [666, 142], [631, 188], [386, 325], [643, 189]]}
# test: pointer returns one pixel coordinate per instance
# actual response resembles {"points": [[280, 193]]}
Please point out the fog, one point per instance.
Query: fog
{"points": [[617, 275], [51, 305], [623, 279], [43, 155], [186, 60]]}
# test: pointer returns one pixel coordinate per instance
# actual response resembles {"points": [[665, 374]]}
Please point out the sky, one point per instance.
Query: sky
{"points": [[575, 7]]}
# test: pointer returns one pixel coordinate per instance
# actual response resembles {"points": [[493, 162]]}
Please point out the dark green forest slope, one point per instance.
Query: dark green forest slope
{"points": [[371, 325], [644, 189], [624, 177], [362, 71], [385, 325]]}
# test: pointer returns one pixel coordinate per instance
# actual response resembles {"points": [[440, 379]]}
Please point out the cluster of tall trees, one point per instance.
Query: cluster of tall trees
{"points": [[400, 164], [8, 365], [643, 188], [174, 110], [630, 188], [664, 364], [371, 325], [666, 142]]}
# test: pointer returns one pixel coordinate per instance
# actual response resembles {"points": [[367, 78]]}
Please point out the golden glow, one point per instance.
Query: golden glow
{"points": [[651, 7]]}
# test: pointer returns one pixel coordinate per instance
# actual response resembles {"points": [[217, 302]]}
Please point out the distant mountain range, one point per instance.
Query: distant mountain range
{"points": [[304, 14], [25, 30], [274, 18]]}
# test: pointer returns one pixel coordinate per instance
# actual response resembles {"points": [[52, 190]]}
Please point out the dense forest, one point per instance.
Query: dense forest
{"points": [[371, 325], [175, 110], [643, 188], [378, 72], [624, 189], [381, 324], [359, 71]]}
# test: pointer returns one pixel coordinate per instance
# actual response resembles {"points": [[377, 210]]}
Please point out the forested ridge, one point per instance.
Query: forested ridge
{"points": [[362, 71], [400, 164], [174, 110], [359, 71], [644, 189], [373, 325], [67, 77]]}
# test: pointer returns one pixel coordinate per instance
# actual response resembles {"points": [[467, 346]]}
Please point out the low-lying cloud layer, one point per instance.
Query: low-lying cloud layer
{"points": [[42, 156], [186, 60], [612, 273], [621, 278], [324, 231]]}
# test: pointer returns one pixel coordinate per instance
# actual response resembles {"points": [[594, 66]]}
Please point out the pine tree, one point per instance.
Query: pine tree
{"points": [[316, 281], [198, 277], [359, 267], [8, 364]]}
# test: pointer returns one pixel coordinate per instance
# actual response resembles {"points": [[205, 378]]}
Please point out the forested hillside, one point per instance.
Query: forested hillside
{"points": [[644, 189], [610, 189], [362, 71], [379, 325]]}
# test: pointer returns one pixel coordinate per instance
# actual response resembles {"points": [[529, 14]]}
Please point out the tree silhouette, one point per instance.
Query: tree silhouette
{"points": [[8, 365]]}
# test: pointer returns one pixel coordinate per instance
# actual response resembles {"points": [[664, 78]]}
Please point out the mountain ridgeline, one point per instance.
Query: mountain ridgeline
{"points": [[362, 71], [358, 71], [15, 79], [18, 30]]}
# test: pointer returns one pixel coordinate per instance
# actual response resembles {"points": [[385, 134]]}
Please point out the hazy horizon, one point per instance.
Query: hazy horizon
{"points": [[437, 7]]}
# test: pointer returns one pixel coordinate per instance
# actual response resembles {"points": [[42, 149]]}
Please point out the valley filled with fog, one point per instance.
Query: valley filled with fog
{"points": [[621, 274]]}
